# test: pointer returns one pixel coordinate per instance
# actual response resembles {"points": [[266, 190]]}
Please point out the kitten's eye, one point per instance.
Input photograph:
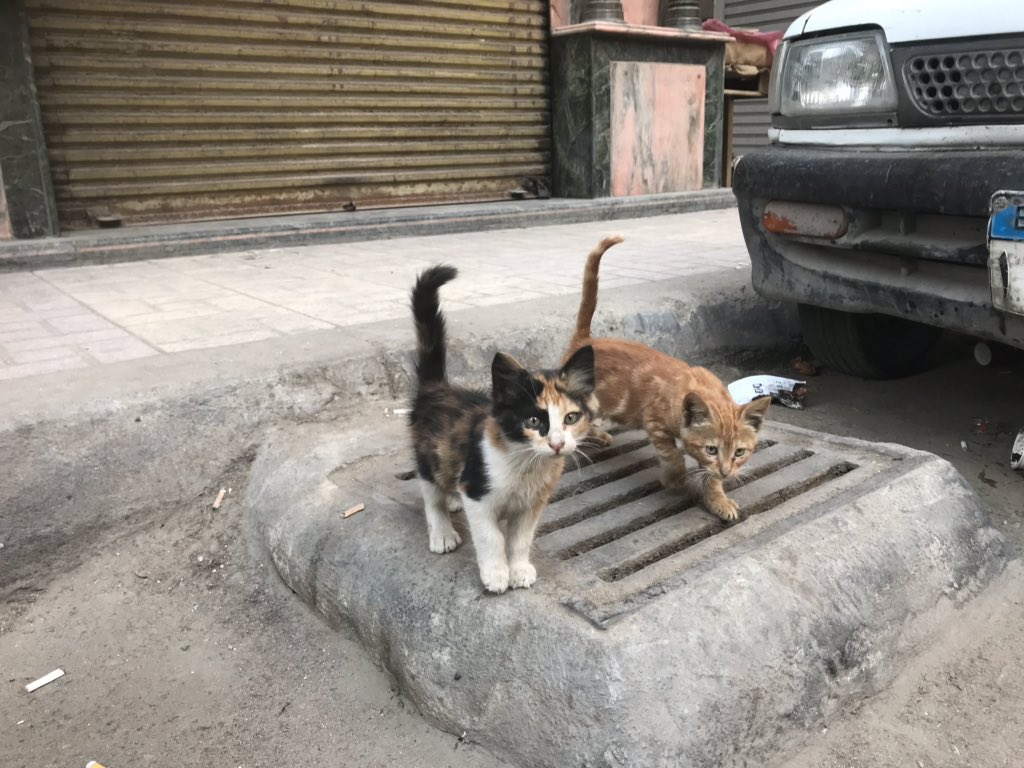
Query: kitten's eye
{"points": [[572, 418], [740, 453], [712, 450], [533, 422]]}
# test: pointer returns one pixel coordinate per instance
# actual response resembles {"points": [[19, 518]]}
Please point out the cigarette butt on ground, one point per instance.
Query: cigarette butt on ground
{"points": [[220, 498], [44, 680], [352, 510], [93, 764]]}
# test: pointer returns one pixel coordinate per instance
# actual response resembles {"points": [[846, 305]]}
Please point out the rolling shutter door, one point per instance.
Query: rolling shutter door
{"points": [[750, 116], [766, 15], [196, 109]]}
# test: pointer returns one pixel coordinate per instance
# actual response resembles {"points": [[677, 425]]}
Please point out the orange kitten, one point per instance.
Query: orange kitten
{"points": [[685, 409]]}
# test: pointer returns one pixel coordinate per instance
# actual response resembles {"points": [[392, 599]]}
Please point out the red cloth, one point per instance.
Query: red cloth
{"points": [[769, 40]]}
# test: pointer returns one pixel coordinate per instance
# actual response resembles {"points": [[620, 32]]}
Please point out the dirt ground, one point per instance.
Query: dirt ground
{"points": [[961, 702], [181, 649]]}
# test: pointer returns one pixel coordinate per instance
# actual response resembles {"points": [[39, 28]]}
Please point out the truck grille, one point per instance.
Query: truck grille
{"points": [[966, 85]]}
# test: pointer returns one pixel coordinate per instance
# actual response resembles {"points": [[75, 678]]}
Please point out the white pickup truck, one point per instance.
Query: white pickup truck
{"points": [[887, 204]]}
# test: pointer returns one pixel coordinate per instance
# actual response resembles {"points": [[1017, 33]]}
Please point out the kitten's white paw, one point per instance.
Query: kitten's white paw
{"points": [[444, 541], [522, 576], [725, 508], [495, 579]]}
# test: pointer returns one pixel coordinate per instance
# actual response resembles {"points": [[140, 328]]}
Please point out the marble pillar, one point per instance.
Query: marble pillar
{"points": [[24, 167], [635, 109]]}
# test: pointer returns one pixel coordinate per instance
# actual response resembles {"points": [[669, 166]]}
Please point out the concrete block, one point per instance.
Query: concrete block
{"points": [[655, 635]]}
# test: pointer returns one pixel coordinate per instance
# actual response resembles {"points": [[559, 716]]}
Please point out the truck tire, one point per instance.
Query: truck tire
{"points": [[869, 346]]}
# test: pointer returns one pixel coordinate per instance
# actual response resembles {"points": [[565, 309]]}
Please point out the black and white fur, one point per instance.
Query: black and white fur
{"points": [[499, 457]]}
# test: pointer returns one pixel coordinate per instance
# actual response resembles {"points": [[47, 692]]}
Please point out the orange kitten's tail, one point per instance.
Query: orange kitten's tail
{"points": [[588, 301]]}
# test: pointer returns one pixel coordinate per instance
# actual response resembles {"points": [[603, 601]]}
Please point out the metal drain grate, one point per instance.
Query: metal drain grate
{"points": [[616, 539], [623, 539]]}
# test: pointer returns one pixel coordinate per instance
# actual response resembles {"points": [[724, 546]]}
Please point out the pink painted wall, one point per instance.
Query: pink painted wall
{"points": [[642, 12], [560, 13], [657, 127], [5, 220]]}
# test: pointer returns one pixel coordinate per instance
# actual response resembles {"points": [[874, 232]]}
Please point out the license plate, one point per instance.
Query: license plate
{"points": [[1006, 251]]}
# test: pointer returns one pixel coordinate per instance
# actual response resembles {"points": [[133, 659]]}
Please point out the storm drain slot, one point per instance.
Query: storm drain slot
{"points": [[784, 495], [586, 545], [633, 494], [666, 511], [750, 475], [629, 567], [603, 479], [616, 449]]}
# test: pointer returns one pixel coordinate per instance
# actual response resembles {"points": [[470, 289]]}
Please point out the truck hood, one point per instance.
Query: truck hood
{"points": [[909, 20]]}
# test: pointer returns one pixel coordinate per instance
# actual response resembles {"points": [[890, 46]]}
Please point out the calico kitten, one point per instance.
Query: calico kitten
{"points": [[499, 457], [685, 409]]}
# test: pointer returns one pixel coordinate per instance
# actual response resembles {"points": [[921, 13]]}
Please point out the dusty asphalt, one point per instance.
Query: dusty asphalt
{"points": [[182, 649]]}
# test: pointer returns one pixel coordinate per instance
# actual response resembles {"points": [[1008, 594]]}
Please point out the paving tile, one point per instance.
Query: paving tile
{"points": [[222, 340], [23, 332], [55, 302], [122, 309], [51, 341], [35, 369], [11, 313], [83, 321], [119, 350], [292, 322], [100, 314], [40, 354]]}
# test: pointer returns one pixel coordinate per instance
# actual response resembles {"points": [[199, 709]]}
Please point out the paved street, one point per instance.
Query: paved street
{"points": [[72, 318], [180, 647]]}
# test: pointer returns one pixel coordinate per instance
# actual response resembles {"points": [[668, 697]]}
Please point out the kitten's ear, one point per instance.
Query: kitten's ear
{"points": [[754, 412], [578, 371], [695, 410], [506, 378]]}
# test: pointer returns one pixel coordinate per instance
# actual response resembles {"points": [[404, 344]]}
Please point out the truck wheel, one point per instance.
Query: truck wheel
{"points": [[869, 346]]}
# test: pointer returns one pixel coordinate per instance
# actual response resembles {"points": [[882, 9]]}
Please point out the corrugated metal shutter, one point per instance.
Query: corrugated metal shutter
{"points": [[750, 116], [766, 15], [750, 125], [189, 109]]}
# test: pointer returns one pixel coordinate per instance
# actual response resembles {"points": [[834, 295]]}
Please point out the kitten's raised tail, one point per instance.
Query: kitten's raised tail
{"points": [[588, 300], [430, 326]]}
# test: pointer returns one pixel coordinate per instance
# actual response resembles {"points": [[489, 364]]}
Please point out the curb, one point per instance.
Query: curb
{"points": [[140, 243], [654, 636], [120, 446]]}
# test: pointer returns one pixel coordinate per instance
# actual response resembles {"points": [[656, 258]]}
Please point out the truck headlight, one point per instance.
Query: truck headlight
{"points": [[834, 76]]}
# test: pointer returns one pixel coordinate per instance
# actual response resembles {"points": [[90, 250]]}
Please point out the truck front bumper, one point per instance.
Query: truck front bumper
{"points": [[913, 238]]}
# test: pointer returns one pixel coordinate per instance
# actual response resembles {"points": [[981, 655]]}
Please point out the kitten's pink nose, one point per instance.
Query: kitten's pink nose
{"points": [[556, 447]]}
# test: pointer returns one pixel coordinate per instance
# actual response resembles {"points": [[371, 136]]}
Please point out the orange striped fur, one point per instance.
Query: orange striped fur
{"points": [[686, 410]]}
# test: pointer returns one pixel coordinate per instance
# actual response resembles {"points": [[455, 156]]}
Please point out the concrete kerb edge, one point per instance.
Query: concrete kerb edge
{"points": [[114, 446], [194, 238], [855, 647]]}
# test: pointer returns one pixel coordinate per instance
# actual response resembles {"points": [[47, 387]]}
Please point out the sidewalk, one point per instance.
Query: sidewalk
{"points": [[128, 388], [74, 318]]}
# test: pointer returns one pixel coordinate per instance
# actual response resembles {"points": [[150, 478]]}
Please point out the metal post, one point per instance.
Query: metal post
{"points": [[602, 10], [683, 14]]}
